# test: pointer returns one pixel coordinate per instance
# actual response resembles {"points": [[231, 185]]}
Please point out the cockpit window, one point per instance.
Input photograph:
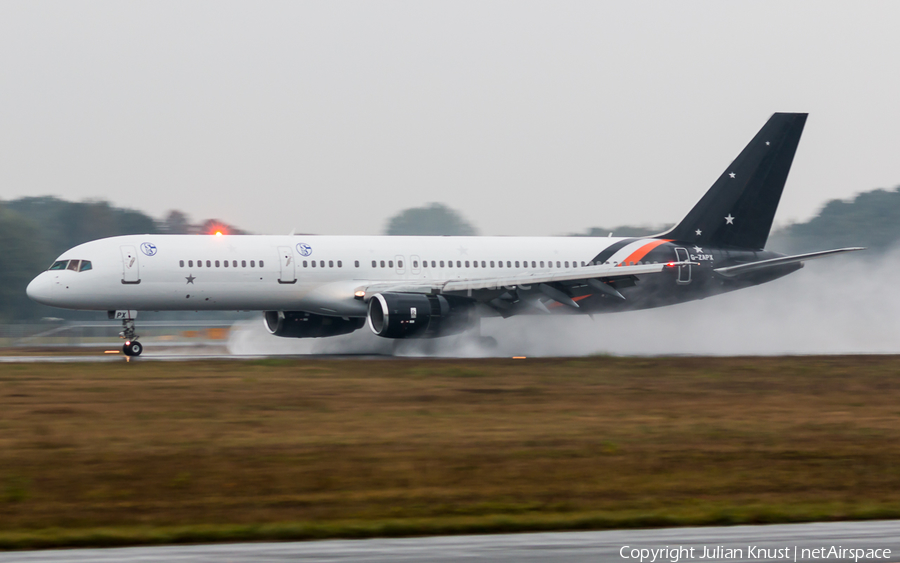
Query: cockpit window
{"points": [[74, 265]]}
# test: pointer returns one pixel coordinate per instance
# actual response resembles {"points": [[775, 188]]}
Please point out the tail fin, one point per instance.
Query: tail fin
{"points": [[738, 209]]}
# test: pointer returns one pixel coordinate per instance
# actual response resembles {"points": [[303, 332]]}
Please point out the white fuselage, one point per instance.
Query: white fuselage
{"points": [[317, 274]]}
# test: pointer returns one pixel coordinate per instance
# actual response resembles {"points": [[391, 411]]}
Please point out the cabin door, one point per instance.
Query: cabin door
{"points": [[131, 272], [288, 265], [684, 272]]}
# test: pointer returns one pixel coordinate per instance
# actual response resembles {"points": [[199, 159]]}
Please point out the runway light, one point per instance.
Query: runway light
{"points": [[518, 357], [111, 352]]}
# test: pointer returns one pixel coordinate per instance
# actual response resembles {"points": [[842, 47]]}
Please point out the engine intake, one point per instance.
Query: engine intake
{"points": [[298, 324], [414, 315]]}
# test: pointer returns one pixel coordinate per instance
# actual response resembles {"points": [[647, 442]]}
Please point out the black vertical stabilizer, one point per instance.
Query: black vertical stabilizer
{"points": [[738, 209]]}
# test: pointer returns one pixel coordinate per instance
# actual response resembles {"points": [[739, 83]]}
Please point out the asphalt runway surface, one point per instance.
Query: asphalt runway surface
{"points": [[781, 542]]}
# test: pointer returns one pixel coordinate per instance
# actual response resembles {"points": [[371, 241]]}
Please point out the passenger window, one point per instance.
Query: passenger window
{"points": [[305, 264], [253, 263], [508, 264], [217, 263], [340, 265], [73, 265], [399, 263], [330, 264], [382, 263], [390, 263], [566, 263], [261, 264], [321, 263], [474, 264], [356, 263], [557, 264], [433, 266], [533, 265], [208, 264], [243, 263], [226, 263], [313, 263], [415, 263], [459, 264], [500, 264], [181, 263], [517, 263], [59, 265], [374, 264], [234, 263], [449, 263], [85, 265], [442, 263], [190, 263], [492, 263]]}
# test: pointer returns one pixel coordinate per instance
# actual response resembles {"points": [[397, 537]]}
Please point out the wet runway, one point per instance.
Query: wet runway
{"points": [[106, 358], [783, 542]]}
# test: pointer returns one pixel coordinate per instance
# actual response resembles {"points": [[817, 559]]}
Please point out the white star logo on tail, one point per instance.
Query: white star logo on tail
{"points": [[732, 175], [699, 232], [698, 250], [729, 220]]}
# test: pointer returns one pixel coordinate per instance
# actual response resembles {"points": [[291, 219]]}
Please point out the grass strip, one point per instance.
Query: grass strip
{"points": [[122, 536]]}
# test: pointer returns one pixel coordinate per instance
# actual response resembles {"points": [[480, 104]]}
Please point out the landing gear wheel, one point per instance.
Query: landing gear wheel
{"points": [[133, 348]]}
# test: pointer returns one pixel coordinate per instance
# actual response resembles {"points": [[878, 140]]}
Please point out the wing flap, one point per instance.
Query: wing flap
{"points": [[740, 269]]}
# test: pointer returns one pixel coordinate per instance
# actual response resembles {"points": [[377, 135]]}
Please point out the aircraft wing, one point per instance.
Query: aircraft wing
{"points": [[524, 280], [734, 271]]}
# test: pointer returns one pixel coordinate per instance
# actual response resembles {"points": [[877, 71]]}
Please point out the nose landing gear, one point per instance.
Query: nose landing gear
{"points": [[132, 347]]}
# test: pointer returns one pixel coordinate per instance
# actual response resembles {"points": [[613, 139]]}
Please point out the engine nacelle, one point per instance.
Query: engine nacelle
{"points": [[297, 324], [415, 315]]}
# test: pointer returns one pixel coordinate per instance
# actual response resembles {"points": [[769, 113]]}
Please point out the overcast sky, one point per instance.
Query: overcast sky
{"points": [[527, 117]]}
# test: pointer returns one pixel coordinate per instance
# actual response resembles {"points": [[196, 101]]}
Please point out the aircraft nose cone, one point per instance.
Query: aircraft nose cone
{"points": [[39, 289]]}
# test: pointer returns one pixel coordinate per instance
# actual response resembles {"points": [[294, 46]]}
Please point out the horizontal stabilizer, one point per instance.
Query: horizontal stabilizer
{"points": [[734, 271]]}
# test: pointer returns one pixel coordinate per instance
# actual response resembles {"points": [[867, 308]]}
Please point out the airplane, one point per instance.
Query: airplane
{"points": [[406, 287]]}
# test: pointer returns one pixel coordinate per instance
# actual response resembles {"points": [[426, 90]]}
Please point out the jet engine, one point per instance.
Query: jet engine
{"points": [[415, 315], [297, 324]]}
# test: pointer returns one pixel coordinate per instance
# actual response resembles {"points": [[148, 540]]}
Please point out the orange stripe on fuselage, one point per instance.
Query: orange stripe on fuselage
{"points": [[639, 254]]}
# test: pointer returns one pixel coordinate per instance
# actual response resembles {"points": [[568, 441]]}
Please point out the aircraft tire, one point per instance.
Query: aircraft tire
{"points": [[133, 348]]}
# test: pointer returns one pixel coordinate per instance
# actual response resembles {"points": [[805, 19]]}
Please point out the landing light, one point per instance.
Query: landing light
{"points": [[360, 294], [218, 233]]}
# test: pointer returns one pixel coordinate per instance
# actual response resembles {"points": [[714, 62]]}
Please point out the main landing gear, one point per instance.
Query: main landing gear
{"points": [[132, 347]]}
